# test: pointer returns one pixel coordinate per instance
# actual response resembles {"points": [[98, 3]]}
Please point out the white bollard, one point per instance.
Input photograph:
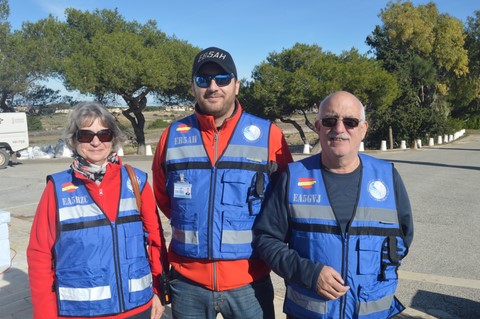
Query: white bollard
{"points": [[445, 138], [362, 147], [439, 140], [120, 152], [430, 141], [148, 150], [383, 146], [403, 145], [4, 241], [419, 143], [306, 148], [450, 138], [30, 152]]}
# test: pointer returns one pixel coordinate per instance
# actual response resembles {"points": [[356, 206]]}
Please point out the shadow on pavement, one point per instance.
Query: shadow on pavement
{"points": [[444, 306], [15, 294]]}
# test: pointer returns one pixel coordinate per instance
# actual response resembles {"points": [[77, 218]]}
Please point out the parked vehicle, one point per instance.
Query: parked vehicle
{"points": [[13, 136]]}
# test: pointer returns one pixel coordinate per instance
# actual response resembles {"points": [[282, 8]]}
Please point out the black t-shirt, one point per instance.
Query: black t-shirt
{"points": [[342, 191]]}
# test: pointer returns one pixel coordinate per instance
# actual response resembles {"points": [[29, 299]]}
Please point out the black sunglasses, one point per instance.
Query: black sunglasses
{"points": [[86, 136], [349, 122], [204, 81]]}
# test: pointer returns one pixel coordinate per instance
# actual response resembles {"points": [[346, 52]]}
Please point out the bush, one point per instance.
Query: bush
{"points": [[34, 123], [473, 123], [158, 123], [455, 125]]}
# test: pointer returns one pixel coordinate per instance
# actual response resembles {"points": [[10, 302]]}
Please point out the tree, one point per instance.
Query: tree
{"points": [[101, 54], [40, 97], [465, 91], [424, 50], [297, 78], [21, 64]]}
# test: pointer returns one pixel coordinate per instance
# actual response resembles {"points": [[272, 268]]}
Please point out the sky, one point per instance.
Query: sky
{"points": [[248, 29]]}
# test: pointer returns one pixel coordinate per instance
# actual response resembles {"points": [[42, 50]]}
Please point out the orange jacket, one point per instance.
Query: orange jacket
{"points": [[224, 274], [43, 235]]}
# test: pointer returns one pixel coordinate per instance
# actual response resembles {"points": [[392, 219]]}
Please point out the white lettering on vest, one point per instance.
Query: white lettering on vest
{"points": [[74, 200], [185, 140], [303, 198]]}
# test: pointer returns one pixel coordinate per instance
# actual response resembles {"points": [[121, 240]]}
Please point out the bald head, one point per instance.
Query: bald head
{"points": [[341, 97]]}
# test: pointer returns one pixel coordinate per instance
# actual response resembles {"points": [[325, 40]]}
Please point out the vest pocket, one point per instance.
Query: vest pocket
{"points": [[368, 257], [83, 284], [375, 300], [135, 243], [237, 234], [185, 238], [139, 283], [235, 187]]}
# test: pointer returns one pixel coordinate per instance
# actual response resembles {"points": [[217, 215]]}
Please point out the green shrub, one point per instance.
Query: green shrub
{"points": [[158, 123], [455, 125], [473, 123], [34, 123]]}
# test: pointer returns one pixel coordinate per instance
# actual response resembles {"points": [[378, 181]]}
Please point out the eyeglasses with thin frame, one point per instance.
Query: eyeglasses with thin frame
{"points": [[204, 81], [86, 136], [349, 122]]}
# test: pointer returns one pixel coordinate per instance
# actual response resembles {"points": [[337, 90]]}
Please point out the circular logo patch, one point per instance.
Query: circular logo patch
{"points": [[377, 190], [252, 133], [129, 184]]}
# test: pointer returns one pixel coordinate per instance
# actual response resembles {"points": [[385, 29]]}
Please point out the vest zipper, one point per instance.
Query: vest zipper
{"points": [[121, 299], [211, 211], [343, 301], [215, 145]]}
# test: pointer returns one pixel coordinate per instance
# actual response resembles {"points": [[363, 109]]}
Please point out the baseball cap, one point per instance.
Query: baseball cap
{"points": [[214, 55]]}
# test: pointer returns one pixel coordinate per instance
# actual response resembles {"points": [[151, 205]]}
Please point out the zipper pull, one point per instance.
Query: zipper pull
{"points": [[100, 191]]}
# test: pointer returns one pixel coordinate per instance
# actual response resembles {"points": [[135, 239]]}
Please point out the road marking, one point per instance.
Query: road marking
{"points": [[442, 280]]}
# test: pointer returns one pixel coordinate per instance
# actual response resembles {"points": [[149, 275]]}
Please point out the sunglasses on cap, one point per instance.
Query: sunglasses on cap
{"points": [[349, 122], [204, 81], [86, 136]]}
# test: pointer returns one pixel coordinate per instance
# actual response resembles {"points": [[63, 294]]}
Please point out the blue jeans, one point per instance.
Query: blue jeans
{"points": [[192, 301]]}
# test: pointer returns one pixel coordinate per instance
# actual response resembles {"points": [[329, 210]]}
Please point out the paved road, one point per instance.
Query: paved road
{"points": [[440, 278], [442, 271]]}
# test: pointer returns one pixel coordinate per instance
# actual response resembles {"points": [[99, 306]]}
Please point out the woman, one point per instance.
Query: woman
{"points": [[87, 254]]}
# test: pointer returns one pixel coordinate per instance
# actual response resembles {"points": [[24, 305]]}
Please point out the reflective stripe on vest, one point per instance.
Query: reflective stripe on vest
{"points": [[317, 236], [314, 305], [215, 220], [101, 267]]}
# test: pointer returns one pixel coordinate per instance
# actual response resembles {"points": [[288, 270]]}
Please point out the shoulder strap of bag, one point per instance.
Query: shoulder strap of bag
{"points": [[164, 280], [136, 188]]}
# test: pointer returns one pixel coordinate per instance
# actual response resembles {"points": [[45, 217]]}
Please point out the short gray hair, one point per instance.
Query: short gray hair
{"points": [[84, 114]]}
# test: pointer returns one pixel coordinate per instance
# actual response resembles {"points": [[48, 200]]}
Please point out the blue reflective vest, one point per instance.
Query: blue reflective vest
{"points": [[367, 255], [101, 267], [213, 208]]}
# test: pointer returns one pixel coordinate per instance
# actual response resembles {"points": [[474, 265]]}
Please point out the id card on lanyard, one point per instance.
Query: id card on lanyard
{"points": [[182, 188]]}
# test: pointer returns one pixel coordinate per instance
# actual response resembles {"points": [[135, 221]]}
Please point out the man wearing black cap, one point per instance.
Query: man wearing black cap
{"points": [[210, 174]]}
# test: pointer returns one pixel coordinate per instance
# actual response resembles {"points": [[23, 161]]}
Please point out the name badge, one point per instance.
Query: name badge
{"points": [[182, 190]]}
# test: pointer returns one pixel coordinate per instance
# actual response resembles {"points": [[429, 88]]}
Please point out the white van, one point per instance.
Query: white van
{"points": [[13, 135]]}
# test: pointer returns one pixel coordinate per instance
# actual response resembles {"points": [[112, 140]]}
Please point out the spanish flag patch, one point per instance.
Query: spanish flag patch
{"points": [[183, 128], [69, 187], [306, 182]]}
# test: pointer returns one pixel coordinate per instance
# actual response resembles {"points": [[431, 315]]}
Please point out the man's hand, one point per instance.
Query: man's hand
{"points": [[157, 308], [330, 284]]}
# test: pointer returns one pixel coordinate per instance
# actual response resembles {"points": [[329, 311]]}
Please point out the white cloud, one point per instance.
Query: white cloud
{"points": [[54, 7]]}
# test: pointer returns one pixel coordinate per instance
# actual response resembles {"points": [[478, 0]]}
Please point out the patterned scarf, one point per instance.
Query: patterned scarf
{"points": [[92, 171]]}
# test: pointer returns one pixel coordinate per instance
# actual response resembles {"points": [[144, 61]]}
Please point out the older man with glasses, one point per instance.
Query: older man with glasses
{"points": [[210, 172], [338, 223]]}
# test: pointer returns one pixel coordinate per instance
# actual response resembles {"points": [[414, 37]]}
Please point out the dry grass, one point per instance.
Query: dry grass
{"points": [[53, 130]]}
